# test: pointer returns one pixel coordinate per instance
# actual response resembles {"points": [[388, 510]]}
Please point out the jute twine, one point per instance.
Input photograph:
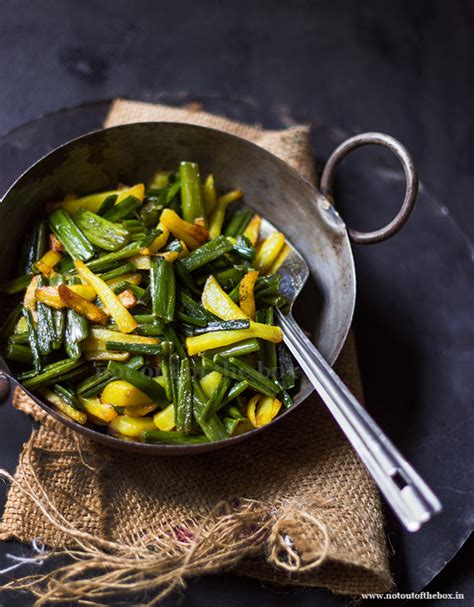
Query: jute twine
{"points": [[293, 506]]}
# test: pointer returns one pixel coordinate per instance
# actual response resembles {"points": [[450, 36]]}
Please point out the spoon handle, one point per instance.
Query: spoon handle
{"points": [[409, 496]]}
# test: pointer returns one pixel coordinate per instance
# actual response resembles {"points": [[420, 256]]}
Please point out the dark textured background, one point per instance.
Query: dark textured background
{"points": [[404, 68]]}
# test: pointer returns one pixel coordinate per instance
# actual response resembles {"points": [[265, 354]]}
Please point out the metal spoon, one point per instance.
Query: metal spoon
{"points": [[409, 496]]}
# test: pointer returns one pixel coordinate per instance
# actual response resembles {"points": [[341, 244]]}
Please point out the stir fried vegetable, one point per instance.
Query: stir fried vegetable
{"points": [[148, 312]]}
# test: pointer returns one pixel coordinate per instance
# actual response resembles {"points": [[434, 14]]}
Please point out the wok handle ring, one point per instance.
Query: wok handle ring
{"points": [[411, 192]]}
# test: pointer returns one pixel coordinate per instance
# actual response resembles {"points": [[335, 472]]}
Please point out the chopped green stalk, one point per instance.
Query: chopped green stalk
{"points": [[237, 222], [92, 386], [51, 373], [271, 282], [33, 339], [277, 301], [235, 412], [174, 366], [142, 295], [234, 294], [223, 325], [222, 263], [230, 425], [46, 332], [286, 367], [66, 264], [215, 402], [163, 288], [59, 316], [151, 210], [192, 320], [74, 241], [108, 259], [119, 271], [285, 398], [77, 329], [145, 318], [206, 253], [193, 307], [170, 194], [170, 334], [121, 286], [138, 235], [76, 374], [244, 249], [150, 329], [10, 323], [140, 381], [19, 353], [260, 316], [122, 209], [184, 407], [132, 225], [107, 205], [235, 391], [139, 293], [41, 240], [213, 427], [237, 369], [173, 438], [67, 395], [166, 371], [19, 338], [101, 232], [151, 349], [16, 285], [191, 194], [231, 277], [269, 291], [241, 348], [185, 278]]}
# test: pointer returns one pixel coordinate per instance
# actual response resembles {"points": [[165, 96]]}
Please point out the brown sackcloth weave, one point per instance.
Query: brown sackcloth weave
{"points": [[292, 506]]}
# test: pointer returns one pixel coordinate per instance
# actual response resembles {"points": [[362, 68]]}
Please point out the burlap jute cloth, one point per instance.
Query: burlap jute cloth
{"points": [[292, 506]]}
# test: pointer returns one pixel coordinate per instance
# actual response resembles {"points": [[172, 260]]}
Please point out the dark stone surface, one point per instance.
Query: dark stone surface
{"points": [[398, 67]]}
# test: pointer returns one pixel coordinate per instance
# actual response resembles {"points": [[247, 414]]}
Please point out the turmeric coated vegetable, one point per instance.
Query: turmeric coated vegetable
{"points": [[46, 264], [246, 294], [123, 394], [218, 214], [209, 194], [50, 295], [268, 251], [99, 410], [262, 409], [61, 405], [193, 234], [117, 310], [253, 229], [217, 339], [131, 426], [82, 306], [165, 420], [215, 300]]}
